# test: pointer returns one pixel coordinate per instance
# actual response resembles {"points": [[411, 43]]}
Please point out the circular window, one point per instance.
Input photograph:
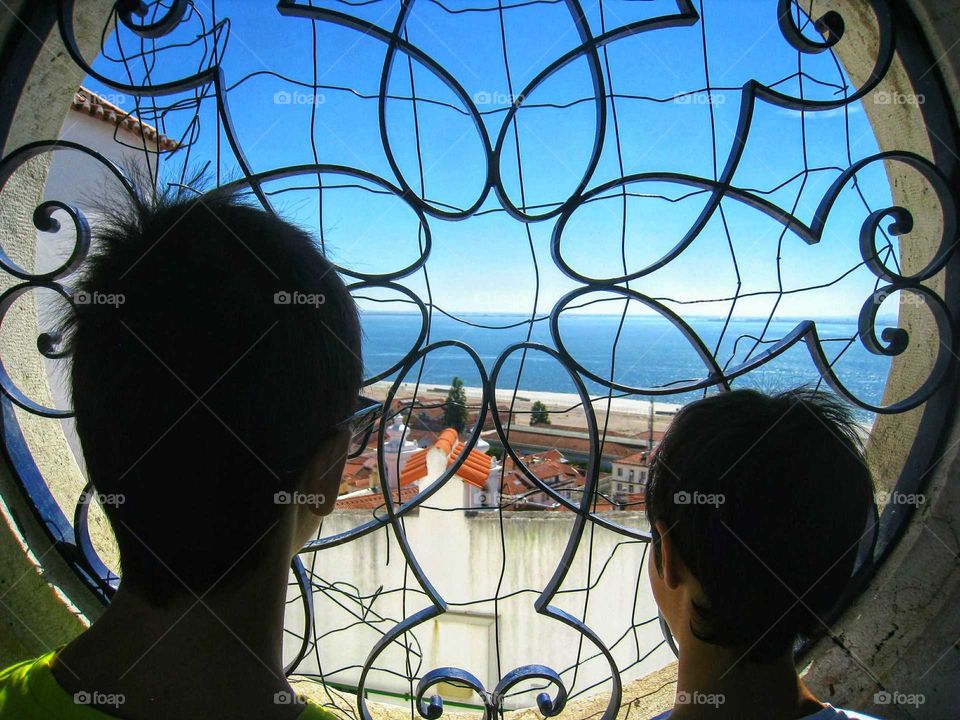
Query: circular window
{"points": [[560, 224]]}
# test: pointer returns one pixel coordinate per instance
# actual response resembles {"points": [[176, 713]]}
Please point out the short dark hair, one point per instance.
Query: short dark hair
{"points": [[766, 499], [213, 346]]}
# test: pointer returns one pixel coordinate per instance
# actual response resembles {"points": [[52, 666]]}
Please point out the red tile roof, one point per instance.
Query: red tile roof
{"points": [[446, 440], [568, 478], [553, 454], [548, 464], [374, 500], [639, 458], [551, 468], [520, 438], [87, 101], [359, 472], [474, 470]]}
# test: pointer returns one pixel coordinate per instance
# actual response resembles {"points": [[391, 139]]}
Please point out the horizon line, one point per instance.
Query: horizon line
{"points": [[478, 313]]}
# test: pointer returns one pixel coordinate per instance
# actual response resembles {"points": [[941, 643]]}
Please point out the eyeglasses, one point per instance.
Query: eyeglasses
{"points": [[360, 423]]}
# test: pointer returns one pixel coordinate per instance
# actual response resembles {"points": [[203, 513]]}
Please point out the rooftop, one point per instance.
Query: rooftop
{"points": [[639, 458], [474, 470], [372, 499], [87, 101]]}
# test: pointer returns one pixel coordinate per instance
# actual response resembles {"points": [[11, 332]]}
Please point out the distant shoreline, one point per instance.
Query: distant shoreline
{"points": [[625, 408], [549, 398], [626, 417]]}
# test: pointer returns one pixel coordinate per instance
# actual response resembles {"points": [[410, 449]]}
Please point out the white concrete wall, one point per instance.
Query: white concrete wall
{"points": [[462, 556], [74, 177]]}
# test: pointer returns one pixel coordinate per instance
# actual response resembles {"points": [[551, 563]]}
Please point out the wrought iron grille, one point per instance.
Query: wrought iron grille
{"points": [[145, 52]]}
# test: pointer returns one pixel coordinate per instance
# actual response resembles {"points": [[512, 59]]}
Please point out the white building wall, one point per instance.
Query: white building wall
{"points": [[79, 180], [74, 177], [462, 556], [621, 481]]}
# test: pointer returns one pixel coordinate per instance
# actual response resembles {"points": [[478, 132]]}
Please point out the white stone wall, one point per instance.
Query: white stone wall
{"points": [[462, 556]]}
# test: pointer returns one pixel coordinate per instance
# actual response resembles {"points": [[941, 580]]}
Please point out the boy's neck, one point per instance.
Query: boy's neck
{"points": [[219, 656], [718, 683]]}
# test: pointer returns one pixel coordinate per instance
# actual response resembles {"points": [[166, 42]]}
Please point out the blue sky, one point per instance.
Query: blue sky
{"points": [[489, 263]]}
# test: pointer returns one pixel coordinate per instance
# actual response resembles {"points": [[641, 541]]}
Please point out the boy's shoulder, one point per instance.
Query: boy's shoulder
{"points": [[17, 671], [315, 712], [25, 690], [29, 691]]}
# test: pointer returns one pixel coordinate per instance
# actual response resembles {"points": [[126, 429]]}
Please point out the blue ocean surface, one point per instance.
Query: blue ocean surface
{"points": [[649, 352]]}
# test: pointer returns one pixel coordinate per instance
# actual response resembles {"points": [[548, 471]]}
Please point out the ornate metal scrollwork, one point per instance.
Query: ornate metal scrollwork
{"points": [[624, 282]]}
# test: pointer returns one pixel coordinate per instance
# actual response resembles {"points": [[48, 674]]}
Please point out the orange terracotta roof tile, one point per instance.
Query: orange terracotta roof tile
{"points": [[374, 500], [446, 440], [478, 456], [415, 468], [474, 470], [478, 461], [87, 101], [474, 477]]}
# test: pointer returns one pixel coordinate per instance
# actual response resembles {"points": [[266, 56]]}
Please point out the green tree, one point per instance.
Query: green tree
{"points": [[455, 408], [539, 414]]}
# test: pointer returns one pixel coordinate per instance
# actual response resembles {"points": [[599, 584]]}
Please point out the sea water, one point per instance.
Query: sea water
{"points": [[650, 352]]}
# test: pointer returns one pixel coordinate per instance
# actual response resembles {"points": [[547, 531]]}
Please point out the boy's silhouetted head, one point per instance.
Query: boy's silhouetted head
{"points": [[214, 350], [762, 504]]}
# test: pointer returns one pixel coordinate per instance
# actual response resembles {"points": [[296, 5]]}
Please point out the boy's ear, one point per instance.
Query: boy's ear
{"points": [[672, 568], [325, 472]]}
